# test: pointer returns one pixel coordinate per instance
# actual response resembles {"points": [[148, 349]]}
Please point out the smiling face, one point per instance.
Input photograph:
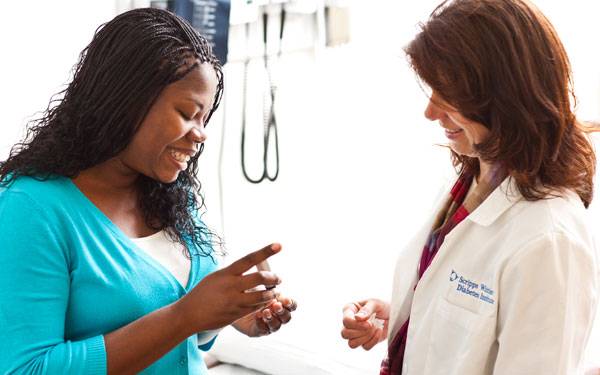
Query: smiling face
{"points": [[461, 132], [172, 131]]}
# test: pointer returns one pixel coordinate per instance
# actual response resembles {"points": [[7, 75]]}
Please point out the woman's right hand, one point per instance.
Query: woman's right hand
{"points": [[225, 295], [359, 327]]}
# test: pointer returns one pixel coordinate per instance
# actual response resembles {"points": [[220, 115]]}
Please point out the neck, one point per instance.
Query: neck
{"points": [[111, 176], [485, 171], [489, 178]]}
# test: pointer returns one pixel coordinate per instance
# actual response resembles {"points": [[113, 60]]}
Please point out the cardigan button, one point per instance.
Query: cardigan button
{"points": [[183, 361]]}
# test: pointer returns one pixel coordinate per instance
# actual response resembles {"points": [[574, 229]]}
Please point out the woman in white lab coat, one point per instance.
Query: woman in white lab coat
{"points": [[503, 278]]}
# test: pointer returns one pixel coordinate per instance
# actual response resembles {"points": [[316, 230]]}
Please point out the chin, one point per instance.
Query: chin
{"points": [[170, 179], [463, 151], [166, 178]]}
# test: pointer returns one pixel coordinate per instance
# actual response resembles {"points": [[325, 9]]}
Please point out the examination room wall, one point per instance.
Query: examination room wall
{"points": [[359, 165]]}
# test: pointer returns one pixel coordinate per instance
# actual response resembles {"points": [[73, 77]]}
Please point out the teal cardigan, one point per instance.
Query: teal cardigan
{"points": [[68, 275]]}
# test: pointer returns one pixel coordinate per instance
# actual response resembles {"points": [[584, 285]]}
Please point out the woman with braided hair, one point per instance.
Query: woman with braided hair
{"points": [[503, 279], [106, 264]]}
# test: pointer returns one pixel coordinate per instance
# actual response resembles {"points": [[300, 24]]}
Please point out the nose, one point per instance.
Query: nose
{"points": [[433, 111], [197, 134]]}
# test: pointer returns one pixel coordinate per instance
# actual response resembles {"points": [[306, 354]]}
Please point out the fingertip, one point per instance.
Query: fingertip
{"points": [[360, 317], [276, 247], [267, 315], [350, 308]]}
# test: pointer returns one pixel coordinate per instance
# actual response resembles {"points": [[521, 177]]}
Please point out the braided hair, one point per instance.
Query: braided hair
{"points": [[120, 74]]}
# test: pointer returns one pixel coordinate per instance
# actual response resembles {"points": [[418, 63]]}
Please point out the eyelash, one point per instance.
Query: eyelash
{"points": [[184, 116]]}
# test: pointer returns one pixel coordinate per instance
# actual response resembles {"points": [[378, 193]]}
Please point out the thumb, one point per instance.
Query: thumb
{"points": [[367, 309]]}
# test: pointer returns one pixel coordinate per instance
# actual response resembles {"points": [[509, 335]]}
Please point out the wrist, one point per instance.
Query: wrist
{"points": [[187, 319], [241, 325]]}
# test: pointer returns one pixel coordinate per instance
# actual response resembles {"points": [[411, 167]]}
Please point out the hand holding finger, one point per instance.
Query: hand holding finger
{"points": [[222, 296], [359, 329]]}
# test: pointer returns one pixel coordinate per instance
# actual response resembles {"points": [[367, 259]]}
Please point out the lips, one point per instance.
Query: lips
{"points": [[182, 155], [453, 134], [179, 156]]}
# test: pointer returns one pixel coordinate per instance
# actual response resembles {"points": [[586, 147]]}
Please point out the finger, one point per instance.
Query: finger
{"points": [[367, 309], [245, 263], [372, 342], [256, 299], [255, 279], [262, 327], [349, 311], [349, 320], [272, 321], [351, 308], [287, 303], [351, 323], [282, 314], [292, 306], [275, 307], [283, 299], [350, 334], [263, 266], [355, 343]]}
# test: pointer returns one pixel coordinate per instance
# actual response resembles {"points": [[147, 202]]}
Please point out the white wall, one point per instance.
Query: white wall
{"points": [[40, 42], [358, 160]]}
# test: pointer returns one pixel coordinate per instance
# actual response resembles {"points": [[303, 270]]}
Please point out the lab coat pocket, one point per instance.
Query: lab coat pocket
{"points": [[457, 339]]}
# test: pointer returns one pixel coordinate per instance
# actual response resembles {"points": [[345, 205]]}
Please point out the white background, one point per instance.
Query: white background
{"points": [[358, 160]]}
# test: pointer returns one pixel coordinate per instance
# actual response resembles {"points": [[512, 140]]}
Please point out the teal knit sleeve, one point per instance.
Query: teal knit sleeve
{"points": [[34, 292]]}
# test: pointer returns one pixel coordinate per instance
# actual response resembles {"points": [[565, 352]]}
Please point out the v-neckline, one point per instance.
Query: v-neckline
{"points": [[121, 235], [141, 243]]}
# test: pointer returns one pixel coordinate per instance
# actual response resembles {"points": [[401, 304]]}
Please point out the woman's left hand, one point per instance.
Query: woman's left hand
{"points": [[267, 320]]}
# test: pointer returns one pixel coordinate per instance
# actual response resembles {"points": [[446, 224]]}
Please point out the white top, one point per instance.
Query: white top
{"points": [[512, 290], [171, 255]]}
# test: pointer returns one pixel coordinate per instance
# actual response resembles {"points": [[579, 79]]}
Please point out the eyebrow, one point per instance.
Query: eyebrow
{"points": [[196, 102]]}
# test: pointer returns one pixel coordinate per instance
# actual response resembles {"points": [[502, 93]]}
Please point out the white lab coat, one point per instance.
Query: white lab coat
{"points": [[512, 290]]}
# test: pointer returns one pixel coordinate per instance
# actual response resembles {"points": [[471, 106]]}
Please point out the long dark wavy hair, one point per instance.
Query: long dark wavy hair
{"points": [[502, 64], [130, 60]]}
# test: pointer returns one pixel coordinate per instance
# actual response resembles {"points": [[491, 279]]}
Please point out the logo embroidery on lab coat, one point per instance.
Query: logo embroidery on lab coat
{"points": [[474, 289]]}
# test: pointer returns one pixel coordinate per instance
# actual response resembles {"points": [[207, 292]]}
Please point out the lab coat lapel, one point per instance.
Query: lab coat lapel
{"points": [[500, 200], [407, 269], [449, 241]]}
